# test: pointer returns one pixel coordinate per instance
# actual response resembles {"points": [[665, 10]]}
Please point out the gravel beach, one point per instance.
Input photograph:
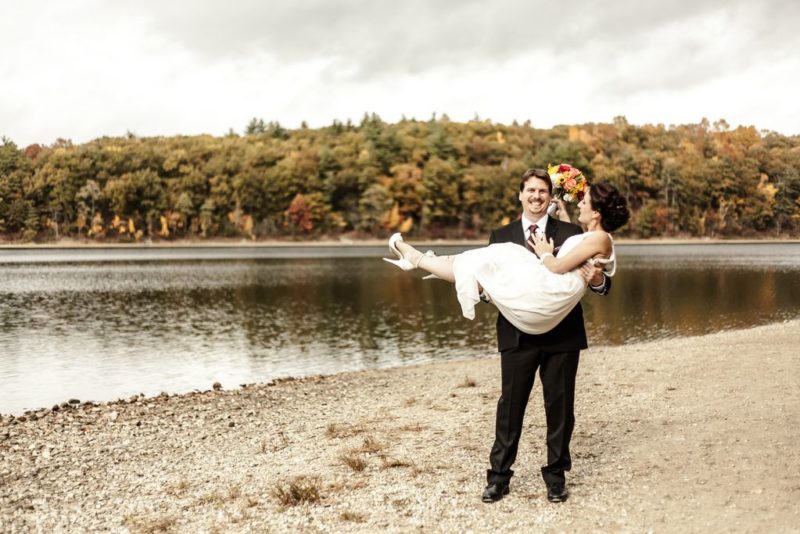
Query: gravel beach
{"points": [[693, 435]]}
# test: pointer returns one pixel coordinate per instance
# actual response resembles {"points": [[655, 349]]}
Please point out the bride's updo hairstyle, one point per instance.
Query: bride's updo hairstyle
{"points": [[612, 206]]}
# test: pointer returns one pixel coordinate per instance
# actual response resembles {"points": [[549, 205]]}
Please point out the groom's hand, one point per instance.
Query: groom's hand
{"points": [[593, 274]]}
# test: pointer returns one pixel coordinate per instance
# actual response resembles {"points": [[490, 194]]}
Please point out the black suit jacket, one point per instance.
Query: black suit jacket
{"points": [[570, 333]]}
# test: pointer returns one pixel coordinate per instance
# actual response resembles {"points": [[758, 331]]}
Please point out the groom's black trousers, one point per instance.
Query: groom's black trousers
{"points": [[557, 371]]}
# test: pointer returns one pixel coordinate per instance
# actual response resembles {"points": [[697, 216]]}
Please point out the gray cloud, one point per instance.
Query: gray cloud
{"points": [[620, 53], [376, 39], [419, 34]]}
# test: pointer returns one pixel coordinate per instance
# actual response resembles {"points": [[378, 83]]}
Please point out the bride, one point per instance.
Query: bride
{"points": [[533, 291]]}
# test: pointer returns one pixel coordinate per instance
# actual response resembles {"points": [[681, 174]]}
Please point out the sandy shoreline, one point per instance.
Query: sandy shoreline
{"points": [[693, 434], [345, 242]]}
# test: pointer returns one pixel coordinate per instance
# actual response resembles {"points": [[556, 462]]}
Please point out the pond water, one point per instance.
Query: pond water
{"points": [[103, 324]]}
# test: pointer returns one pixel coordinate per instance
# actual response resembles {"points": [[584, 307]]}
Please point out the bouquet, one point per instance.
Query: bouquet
{"points": [[569, 184]]}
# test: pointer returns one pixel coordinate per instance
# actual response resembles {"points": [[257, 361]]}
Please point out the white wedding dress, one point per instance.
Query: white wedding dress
{"points": [[528, 294]]}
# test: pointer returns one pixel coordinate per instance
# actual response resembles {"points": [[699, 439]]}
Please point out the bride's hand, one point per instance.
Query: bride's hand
{"points": [[542, 246], [592, 273]]}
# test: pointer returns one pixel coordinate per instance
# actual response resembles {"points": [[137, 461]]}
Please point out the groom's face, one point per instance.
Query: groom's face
{"points": [[534, 197]]}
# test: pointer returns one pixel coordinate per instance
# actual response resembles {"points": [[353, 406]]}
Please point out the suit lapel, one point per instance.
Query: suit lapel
{"points": [[517, 233], [551, 230]]}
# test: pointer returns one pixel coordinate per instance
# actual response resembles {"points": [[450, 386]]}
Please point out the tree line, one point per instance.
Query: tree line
{"points": [[433, 178]]}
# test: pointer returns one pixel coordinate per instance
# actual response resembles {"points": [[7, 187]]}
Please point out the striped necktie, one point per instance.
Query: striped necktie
{"points": [[529, 242]]}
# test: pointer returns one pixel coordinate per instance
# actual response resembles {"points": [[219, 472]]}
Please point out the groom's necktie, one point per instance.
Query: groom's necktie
{"points": [[529, 242]]}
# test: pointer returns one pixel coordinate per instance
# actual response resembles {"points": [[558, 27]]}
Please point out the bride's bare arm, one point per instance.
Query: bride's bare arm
{"points": [[561, 212], [596, 244]]}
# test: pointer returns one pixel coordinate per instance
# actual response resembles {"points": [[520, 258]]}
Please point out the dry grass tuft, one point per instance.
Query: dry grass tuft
{"points": [[213, 497], [220, 498], [300, 490], [275, 443], [371, 445], [151, 525], [342, 431], [352, 517], [350, 485], [177, 489], [234, 492], [243, 515], [468, 383], [417, 470], [354, 461], [389, 463]]}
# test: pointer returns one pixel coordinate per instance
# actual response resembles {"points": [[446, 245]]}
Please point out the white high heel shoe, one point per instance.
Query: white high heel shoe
{"points": [[401, 261]]}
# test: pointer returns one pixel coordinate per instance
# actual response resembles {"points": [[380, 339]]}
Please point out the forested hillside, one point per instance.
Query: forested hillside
{"points": [[430, 178]]}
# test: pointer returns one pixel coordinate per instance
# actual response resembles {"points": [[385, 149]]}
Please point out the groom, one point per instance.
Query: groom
{"points": [[554, 354]]}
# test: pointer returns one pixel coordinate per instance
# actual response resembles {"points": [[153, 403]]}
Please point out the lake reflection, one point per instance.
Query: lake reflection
{"points": [[105, 330]]}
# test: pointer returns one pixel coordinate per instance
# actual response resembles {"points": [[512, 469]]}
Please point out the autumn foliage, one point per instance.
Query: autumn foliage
{"points": [[434, 178]]}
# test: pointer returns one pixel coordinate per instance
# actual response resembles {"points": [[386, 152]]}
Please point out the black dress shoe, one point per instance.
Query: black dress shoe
{"points": [[557, 493], [495, 492]]}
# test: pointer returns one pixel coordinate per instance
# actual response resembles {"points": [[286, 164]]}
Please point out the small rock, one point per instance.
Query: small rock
{"points": [[231, 424], [74, 401], [56, 407], [217, 386]]}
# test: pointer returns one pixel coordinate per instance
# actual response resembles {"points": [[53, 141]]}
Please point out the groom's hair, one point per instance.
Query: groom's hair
{"points": [[536, 173]]}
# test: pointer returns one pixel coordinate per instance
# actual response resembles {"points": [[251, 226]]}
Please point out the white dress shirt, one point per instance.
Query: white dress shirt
{"points": [[541, 226]]}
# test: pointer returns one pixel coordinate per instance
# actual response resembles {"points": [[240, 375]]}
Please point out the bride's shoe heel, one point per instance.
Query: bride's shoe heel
{"points": [[393, 244], [402, 263]]}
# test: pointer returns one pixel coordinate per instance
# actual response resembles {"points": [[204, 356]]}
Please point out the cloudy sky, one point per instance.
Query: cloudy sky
{"points": [[81, 69]]}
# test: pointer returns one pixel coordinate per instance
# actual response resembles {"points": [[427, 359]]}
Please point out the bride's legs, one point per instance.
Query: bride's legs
{"points": [[441, 266]]}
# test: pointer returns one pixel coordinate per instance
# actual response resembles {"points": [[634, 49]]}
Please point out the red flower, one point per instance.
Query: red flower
{"points": [[564, 167]]}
